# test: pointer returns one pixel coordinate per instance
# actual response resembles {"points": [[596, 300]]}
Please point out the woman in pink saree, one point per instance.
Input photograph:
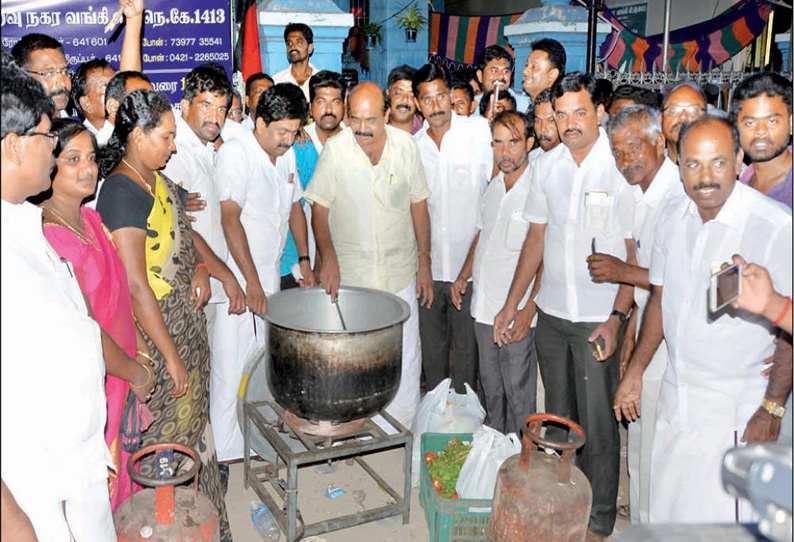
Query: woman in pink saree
{"points": [[78, 235]]}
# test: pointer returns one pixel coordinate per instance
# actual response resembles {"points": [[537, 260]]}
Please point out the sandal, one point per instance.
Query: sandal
{"points": [[624, 511]]}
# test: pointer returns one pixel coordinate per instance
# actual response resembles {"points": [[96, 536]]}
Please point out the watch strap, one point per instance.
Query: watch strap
{"points": [[621, 315]]}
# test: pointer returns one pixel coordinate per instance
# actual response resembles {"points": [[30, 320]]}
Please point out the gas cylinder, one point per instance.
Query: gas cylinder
{"points": [[166, 513], [542, 495]]}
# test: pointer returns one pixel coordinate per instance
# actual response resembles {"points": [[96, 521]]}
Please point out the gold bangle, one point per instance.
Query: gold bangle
{"points": [[145, 355], [148, 377], [427, 254]]}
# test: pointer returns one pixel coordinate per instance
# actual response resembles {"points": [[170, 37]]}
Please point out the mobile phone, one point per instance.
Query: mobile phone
{"points": [[725, 287]]}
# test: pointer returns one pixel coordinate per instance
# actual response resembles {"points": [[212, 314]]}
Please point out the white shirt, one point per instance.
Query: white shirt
{"points": [[285, 76], [502, 234], [718, 360], [192, 167], [311, 129], [53, 374], [535, 153], [232, 129], [265, 194], [665, 187], [103, 135], [579, 204], [457, 175]]}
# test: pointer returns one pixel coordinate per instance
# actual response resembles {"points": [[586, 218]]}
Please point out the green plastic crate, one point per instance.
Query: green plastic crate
{"points": [[451, 520]]}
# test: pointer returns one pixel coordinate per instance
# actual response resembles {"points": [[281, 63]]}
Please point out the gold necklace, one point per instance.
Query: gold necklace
{"points": [[78, 231], [145, 184]]}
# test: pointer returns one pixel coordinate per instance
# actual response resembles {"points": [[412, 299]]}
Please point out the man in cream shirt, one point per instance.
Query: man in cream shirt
{"points": [[457, 158], [369, 215]]}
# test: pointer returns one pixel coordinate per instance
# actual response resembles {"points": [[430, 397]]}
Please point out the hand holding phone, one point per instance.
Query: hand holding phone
{"points": [[725, 287]]}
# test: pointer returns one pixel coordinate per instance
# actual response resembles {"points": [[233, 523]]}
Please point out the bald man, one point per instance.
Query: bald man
{"points": [[683, 104], [371, 223]]}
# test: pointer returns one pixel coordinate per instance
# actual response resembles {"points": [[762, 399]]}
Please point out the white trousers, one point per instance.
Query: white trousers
{"points": [[403, 406], [640, 438], [86, 517], [686, 461], [235, 338]]}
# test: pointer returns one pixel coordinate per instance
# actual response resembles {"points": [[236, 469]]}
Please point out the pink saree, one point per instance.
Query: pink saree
{"points": [[103, 281]]}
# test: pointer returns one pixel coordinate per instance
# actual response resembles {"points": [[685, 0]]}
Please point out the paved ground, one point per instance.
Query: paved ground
{"points": [[362, 491]]}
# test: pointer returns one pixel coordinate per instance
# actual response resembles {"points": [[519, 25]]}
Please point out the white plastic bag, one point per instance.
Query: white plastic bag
{"points": [[444, 411], [489, 449]]}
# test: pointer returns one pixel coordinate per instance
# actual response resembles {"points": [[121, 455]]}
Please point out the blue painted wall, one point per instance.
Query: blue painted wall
{"points": [[395, 50]]}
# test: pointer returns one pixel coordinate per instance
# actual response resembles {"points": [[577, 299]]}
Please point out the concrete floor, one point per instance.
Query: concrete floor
{"points": [[362, 493]]}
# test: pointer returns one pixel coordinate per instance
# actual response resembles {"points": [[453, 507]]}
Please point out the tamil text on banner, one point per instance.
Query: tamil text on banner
{"points": [[177, 36]]}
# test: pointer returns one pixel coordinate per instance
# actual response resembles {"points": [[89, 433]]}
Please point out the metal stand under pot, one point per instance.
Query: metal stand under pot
{"points": [[318, 395]]}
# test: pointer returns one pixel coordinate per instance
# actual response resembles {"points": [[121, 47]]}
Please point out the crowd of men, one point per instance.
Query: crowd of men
{"points": [[565, 229]]}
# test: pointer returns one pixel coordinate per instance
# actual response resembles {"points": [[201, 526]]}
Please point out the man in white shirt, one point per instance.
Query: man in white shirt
{"points": [[55, 460], [457, 160], [713, 384], [495, 69], [508, 373], [545, 127], [578, 203], [260, 199], [635, 134], [684, 103], [370, 221], [88, 94], [299, 39]]}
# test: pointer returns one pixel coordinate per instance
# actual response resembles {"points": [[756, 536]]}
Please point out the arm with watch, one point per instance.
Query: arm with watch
{"points": [[608, 331], [764, 426]]}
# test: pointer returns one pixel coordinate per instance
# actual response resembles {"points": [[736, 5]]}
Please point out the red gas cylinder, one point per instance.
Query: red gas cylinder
{"points": [[166, 513], [541, 495]]}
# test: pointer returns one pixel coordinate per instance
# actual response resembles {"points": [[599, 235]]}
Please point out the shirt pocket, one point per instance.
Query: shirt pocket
{"points": [[598, 211], [396, 193], [516, 233]]}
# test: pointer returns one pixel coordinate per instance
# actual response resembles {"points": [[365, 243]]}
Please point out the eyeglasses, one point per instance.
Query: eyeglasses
{"points": [[236, 114], [53, 74], [53, 138], [676, 110]]}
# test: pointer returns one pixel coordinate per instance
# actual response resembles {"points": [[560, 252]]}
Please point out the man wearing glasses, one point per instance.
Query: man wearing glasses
{"points": [[43, 58], [684, 103]]}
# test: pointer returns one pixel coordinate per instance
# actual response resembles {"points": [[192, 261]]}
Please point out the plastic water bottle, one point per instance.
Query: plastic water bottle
{"points": [[264, 522]]}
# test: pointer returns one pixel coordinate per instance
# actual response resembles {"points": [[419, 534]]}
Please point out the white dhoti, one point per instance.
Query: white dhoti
{"points": [[236, 337], [640, 437], [403, 406], [694, 428]]}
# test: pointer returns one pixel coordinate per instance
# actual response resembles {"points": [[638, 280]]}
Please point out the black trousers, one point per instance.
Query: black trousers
{"points": [[583, 390], [443, 328]]}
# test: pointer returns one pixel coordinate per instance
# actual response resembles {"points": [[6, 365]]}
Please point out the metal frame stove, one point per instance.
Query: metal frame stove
{"points": [[319, 448]]}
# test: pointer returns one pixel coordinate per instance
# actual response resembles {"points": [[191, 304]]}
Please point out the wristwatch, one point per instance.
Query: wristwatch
{"points": [[773, 408], [622, 316]]}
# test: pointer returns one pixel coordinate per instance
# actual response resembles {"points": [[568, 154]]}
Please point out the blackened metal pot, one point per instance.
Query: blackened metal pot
{"points": [[322, 372]]}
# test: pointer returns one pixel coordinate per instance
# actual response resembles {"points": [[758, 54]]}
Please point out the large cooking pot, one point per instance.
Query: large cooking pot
{"points": [[322, 372]]}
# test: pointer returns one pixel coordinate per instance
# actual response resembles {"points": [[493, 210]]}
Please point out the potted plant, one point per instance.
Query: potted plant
{"points": [[372, 35], [412, 22]]}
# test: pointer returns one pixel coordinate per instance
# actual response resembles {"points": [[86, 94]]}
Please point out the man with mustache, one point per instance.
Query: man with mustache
{"points": [[299, 39], [495, 68], [255, 85], [509, 373], [260, 195], [327, 90], [761, 109], [371, 224], [541, 114], [713, 385], [463, 102], [457, 162], [43, 58], [402, 106], [635, 134], [578, 203], [684, 103]]}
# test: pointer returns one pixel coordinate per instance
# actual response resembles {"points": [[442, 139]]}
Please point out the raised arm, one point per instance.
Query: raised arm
{"points": [[131, 46]]}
